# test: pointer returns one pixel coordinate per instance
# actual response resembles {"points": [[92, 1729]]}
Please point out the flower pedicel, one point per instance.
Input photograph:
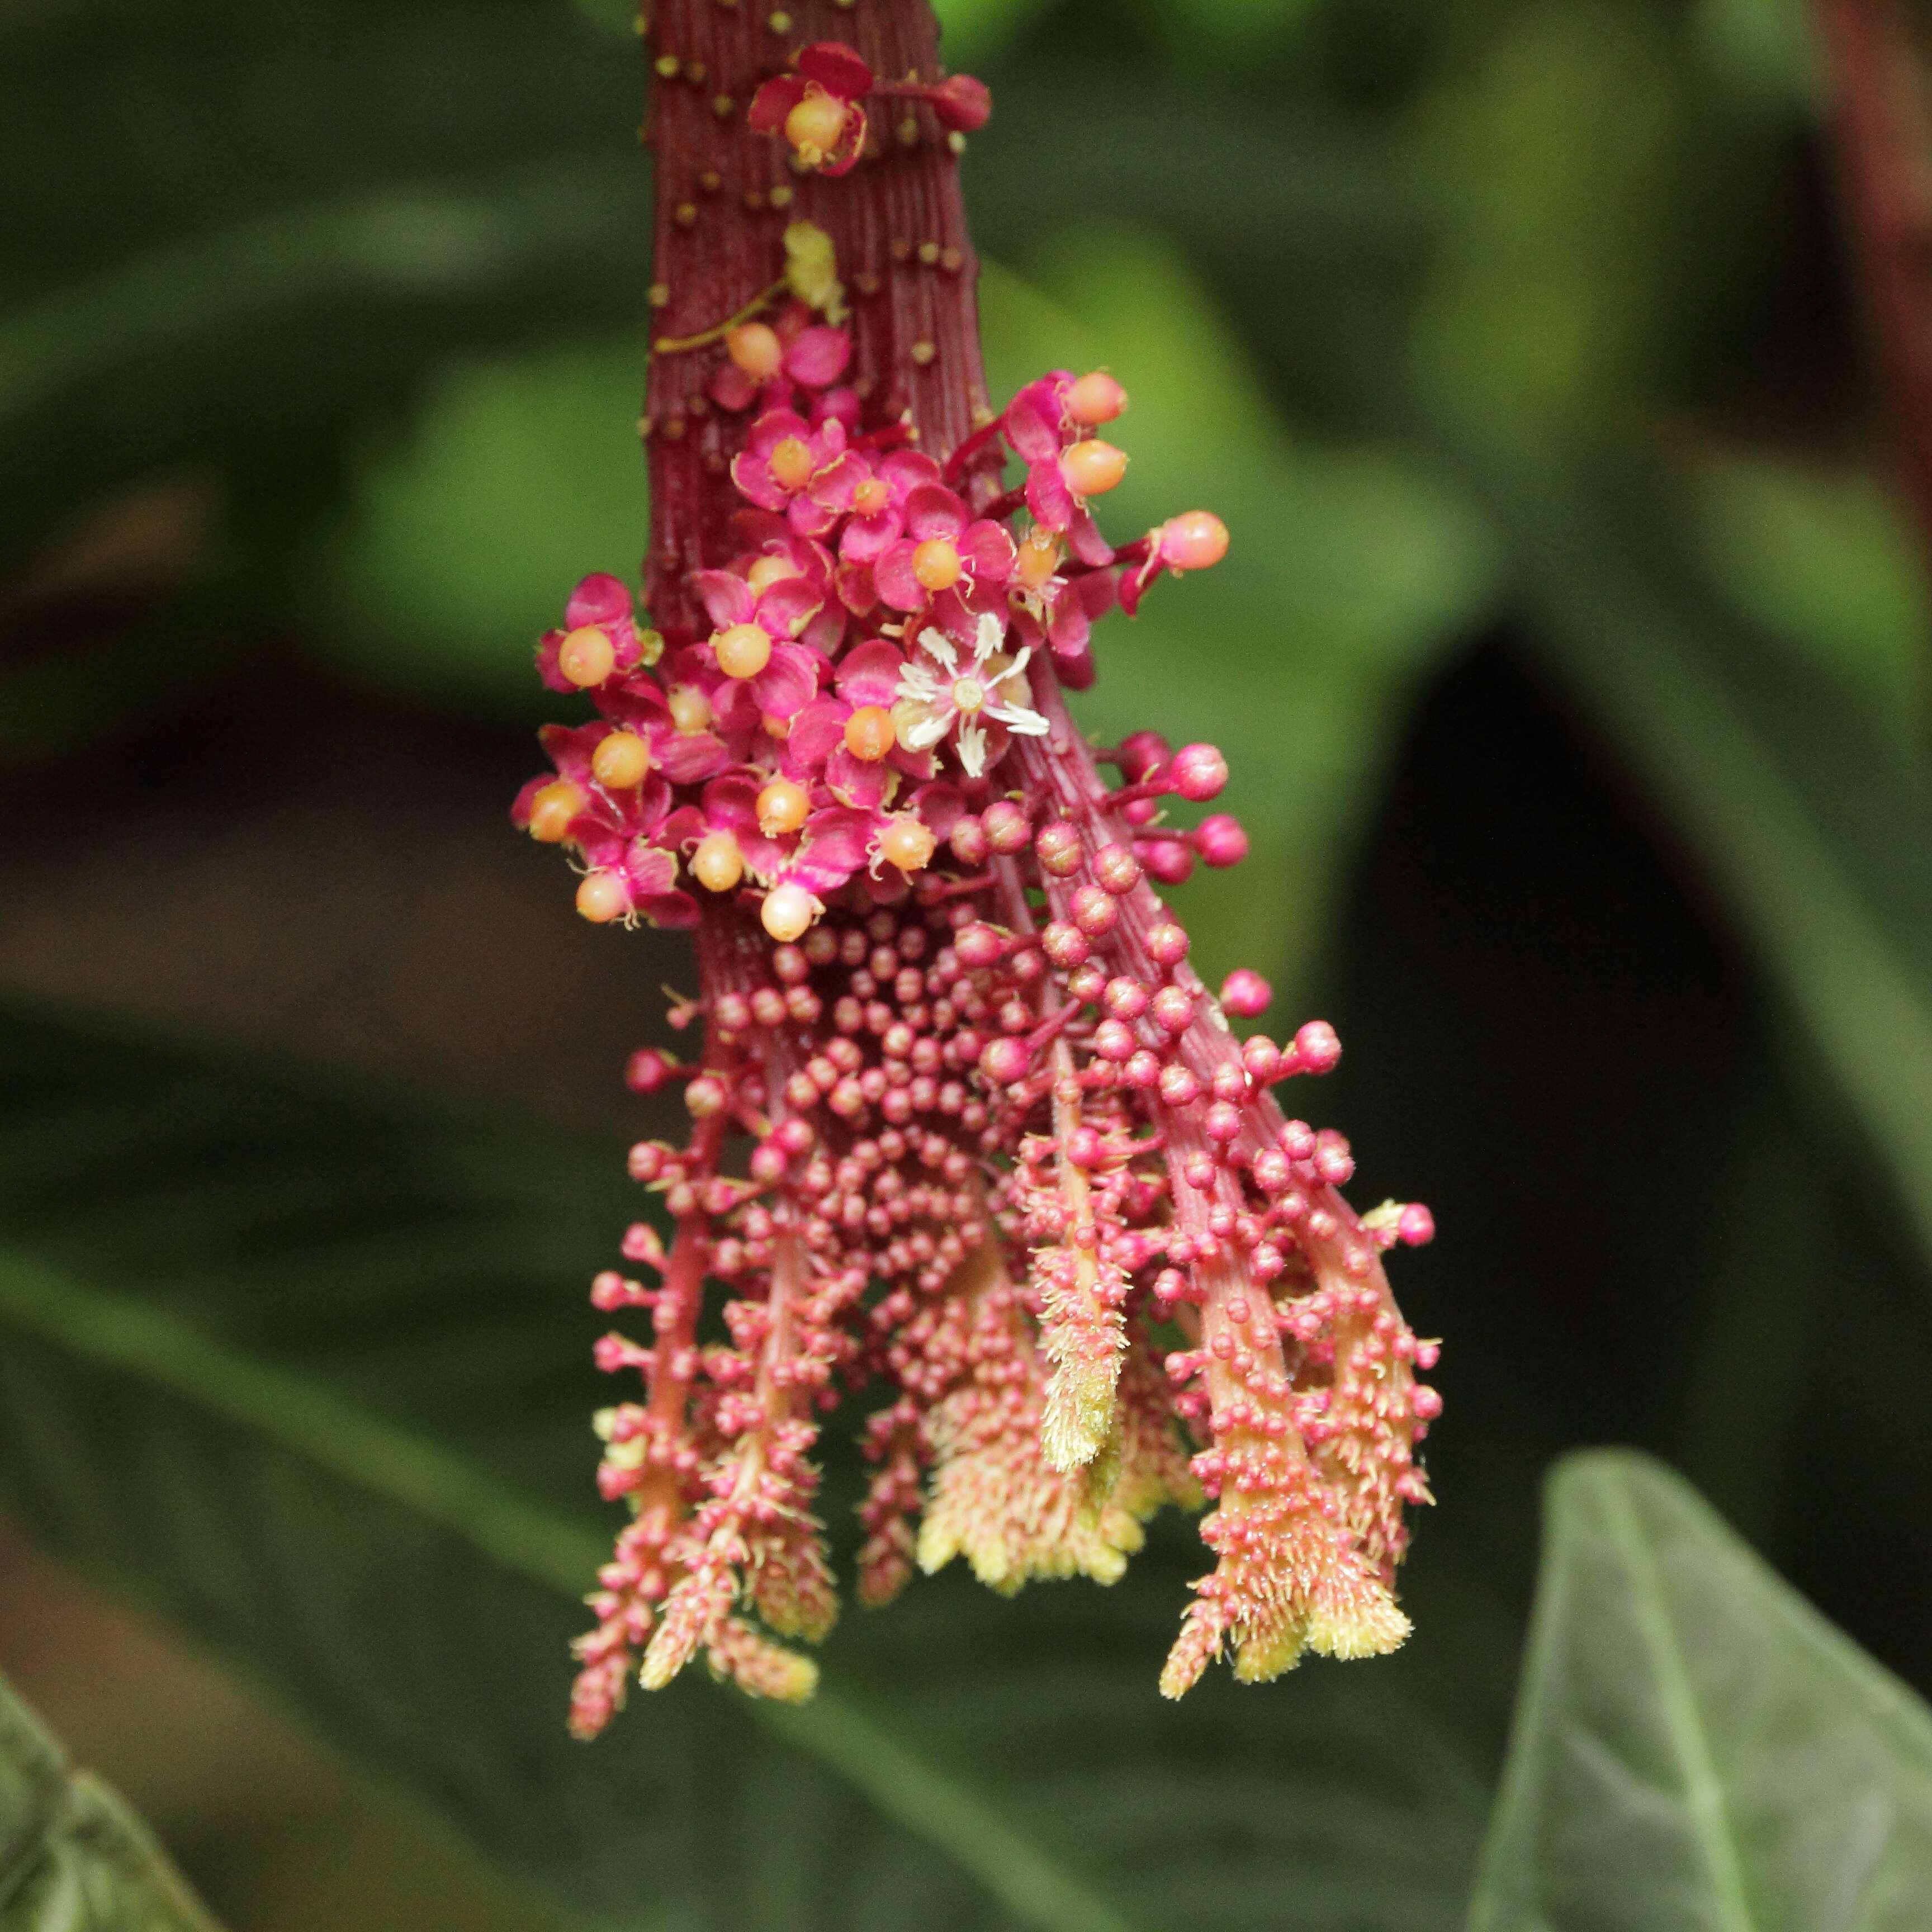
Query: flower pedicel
{"points": [[1007, 1163]]}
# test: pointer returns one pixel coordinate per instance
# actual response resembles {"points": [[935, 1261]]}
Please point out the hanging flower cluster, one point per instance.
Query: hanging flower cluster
{"points": [[970, 1138]]}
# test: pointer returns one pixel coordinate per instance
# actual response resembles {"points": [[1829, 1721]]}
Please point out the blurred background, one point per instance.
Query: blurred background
{"points": [[1572, 659]]}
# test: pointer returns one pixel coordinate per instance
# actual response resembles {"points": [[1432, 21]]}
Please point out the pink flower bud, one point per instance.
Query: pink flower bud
{"points": [[1425, 1402], [1113, 1041], [963, 104], [1065, 945], [1416, 1226], [1095, 911], [1297, 1140], [1140, 753], [1167, 944], [1220, 840], [647, 1069], [969, 842], [1195, 540], [1004, 1061], [1006, 824], [1262, 1059], [1245, 994], [1117, 868], [1058, 849], [1316, 1047], [1198, 773], [978, 945], [1173, 1009], [1125, 999], [1224, 1121], [1178, 1086], [1170, 861]]}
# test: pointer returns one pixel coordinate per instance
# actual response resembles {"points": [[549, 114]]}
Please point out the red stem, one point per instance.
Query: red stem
{"points": [[724, 199], [1882, 134]]}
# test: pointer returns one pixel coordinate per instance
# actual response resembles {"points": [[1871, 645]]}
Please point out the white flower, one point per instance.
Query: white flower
{"points": [[935, 694]]}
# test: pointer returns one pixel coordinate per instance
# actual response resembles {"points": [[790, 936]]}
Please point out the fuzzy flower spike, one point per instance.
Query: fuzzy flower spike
{"points": [[970, 1140]]}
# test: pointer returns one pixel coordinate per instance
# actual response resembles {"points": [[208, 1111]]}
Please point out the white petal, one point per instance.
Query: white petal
{"points": [[972, 748], [925, 733], [940, 645], [1017, 718], [990, 636], [917, 685]]}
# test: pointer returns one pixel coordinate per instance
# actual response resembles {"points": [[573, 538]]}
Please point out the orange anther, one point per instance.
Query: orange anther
{"points": [[1092, 467], [743, 650], [908, 844], [755, 348], [870, 734], [690, 708], [620, 760], [936, 564], [602, 897], [787, 913], [586, 656], [791, 463], [1095, 398], [782, 808], [718, 865], [814, 127], [769, 570], [552, 810]]}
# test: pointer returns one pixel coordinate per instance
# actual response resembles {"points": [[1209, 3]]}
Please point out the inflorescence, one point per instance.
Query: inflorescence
{"points": [[967, 1128]]}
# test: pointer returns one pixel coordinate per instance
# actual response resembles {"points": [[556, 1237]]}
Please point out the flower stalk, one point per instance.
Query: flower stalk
{"points": [[970, 1137]]}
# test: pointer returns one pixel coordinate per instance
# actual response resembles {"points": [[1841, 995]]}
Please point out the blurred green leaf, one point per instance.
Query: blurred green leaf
{"points": [[316, 1386], [1550, 159], [1813, 820], [1350, 572], [461, 543], [1696, 1749], [280, 219], [73, 1857], [1822, 558]]}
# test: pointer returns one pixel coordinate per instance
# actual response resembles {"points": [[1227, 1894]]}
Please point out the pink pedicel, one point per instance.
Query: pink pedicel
{"points": [[969, 1138]]}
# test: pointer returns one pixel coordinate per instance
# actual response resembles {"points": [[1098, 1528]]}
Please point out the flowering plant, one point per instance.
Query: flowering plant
{"points": [[1003, 1156]]}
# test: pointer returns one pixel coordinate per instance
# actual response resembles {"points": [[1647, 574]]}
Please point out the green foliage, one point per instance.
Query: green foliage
{"points": [[1696, 1749], [73, 1857], [1499, 322], [317, 1390]]}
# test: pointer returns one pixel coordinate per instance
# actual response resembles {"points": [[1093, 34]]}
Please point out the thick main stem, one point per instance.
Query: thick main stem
{"points": [[725, 196]]}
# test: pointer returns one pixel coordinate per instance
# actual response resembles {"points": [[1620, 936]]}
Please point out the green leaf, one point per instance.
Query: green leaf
{"points": [[73, 1857], [461, 544], [1351, 570], [1696, 1749], [311, 1376]]}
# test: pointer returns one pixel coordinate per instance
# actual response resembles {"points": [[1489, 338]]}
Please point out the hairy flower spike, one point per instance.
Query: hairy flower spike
{"points": [[969, 1139]]}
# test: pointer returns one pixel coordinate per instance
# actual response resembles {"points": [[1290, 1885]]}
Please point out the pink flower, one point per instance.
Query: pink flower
{"points": [[783, 455], [943, 549], [813, 357], [817, 107], [820, 748], [600, 601], [874, 493], [1037, 427]]}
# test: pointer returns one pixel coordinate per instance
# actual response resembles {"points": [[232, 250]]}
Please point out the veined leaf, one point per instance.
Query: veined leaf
{"points": [[72, 1855], [1696, 1749], [310, 1376]]}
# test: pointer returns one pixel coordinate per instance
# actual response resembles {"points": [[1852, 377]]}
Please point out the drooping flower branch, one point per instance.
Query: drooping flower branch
{"points": [[969, 1134]]}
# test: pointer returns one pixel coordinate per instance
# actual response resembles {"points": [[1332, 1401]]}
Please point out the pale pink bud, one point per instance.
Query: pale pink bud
{"points": [[1195, 540], [1316, 1047], [1198, 772], [1245, 994], [1220, 840]]}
